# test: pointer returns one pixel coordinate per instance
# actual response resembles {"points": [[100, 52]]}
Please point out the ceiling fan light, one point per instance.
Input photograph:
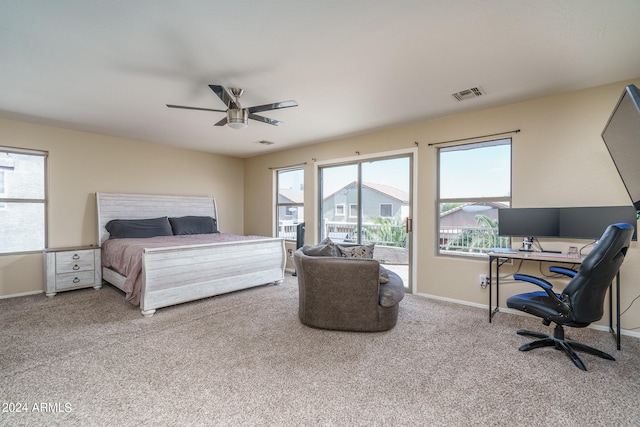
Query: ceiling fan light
{"points": [[237, 118]]}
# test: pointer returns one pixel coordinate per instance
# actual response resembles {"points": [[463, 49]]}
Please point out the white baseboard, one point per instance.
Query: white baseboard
{"points": [[520, 313], [23, 294]]}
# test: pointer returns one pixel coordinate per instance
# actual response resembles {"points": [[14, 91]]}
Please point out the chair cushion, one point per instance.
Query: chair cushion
{"points": [[392, 292], [541, 305]]}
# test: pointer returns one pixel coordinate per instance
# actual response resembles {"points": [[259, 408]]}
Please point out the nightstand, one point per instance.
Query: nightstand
{"points": [[72, 268]]}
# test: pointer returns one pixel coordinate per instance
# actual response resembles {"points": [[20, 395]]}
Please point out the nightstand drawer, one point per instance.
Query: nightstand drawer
{"points": [[72, 280], [70, 257], [70, 267]]}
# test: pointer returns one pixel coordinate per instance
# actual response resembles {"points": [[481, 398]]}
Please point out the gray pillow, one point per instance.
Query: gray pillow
{"points": [[324, 248], [193, 225], [134, 228], [391, 292], [356, 251]]}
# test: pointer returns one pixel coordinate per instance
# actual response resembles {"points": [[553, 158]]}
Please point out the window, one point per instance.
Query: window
{"points": [[353, 210], [474, 181], [290, 201], [340, 209], [2, 192], [386, 210], [23, 200]]}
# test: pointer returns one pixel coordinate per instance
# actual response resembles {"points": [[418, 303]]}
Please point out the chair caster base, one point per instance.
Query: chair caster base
{"points": [[569, 347]]}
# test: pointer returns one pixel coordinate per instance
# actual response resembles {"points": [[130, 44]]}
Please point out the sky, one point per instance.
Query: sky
{"points": [[478, 172], [392, 172]]}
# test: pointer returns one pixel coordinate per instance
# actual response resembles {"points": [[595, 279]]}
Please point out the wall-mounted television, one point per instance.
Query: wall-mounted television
{"points": [[621, 135]]}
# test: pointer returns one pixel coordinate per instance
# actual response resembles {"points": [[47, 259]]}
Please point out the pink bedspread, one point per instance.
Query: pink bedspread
{"points": [[125, 255]]}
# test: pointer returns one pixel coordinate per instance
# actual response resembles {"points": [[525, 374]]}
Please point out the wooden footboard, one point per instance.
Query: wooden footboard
{"points": [[173, 275], [179, 274]]}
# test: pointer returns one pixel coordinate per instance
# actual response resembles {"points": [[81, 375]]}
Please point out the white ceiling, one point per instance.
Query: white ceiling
{"points": [[109, 67]]}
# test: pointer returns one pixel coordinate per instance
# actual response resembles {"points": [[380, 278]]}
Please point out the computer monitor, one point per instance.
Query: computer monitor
{"points": [[590, 222], [528, 222], [621, 135]]}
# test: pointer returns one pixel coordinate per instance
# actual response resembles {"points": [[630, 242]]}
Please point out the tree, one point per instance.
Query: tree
{"points": [[389, 231]]}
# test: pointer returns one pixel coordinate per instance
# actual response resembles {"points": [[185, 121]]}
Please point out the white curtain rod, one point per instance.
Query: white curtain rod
{"points": [[474, 137], [287, 167]]}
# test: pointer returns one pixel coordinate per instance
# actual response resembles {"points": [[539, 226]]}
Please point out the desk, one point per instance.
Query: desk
{"points": [[501, 257]]}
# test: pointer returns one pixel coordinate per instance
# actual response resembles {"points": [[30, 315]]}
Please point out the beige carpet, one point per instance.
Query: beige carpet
{"points": [[89, 358]]}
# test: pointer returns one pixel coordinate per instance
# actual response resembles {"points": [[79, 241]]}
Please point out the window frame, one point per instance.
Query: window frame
{"points": [[288, 214], [354, 207], [506, 200], [3, 191], [6, 202], [380, 213]]}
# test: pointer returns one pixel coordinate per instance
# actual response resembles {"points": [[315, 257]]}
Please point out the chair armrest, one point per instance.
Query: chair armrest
{"points": [[563, 270], [548, 287]]}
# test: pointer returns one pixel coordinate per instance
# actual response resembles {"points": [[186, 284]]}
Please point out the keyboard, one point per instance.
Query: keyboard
{"points": [[503, 250], [551, 255]]}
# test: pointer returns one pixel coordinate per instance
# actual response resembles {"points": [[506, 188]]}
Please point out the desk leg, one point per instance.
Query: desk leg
{"points": [[490, 284], [497, 285], [611, 330], [615, 331], [618, 310], [493, 311]]}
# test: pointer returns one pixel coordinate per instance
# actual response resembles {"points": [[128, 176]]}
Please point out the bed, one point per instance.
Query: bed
{"points": [[185, 271]]}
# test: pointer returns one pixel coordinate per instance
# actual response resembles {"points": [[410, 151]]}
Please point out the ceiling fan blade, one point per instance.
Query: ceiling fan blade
{"points": [[264, 119], [194, 108], [224, 95], [222, 122], [274, 106]]}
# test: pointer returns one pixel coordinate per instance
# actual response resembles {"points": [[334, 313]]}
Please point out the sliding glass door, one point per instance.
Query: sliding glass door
{"points": [[369, 201]]}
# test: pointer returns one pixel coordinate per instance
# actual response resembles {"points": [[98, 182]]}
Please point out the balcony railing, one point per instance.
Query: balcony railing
{"points": [[380, 234], [471, 239], [452, 239], [344, 232], [288, 231]]}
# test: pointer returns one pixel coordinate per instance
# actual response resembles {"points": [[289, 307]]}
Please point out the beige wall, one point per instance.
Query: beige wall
{"points": [[81, 164], [559, 159]]}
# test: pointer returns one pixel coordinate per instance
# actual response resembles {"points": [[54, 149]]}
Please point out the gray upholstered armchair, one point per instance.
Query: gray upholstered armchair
{"points": [[346, 294]]}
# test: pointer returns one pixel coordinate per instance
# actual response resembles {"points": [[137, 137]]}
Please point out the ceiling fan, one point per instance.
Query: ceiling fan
{"points": [[237, 117]]}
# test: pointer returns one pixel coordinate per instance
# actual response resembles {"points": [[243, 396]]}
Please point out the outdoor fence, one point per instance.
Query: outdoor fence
{"points": [[471, 239], [456, 239]]}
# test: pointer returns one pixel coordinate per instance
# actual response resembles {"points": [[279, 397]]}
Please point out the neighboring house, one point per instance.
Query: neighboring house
{"points": [[290, 214], [377, 201], [454, 221]]}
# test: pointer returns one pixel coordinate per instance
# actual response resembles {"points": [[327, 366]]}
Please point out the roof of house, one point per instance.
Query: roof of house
{"points": [[475, 206], [387, 190]]}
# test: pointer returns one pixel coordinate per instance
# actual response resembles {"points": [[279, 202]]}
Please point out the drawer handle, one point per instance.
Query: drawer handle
{"points": [[76, 267], [76, 280], [75, 256]]}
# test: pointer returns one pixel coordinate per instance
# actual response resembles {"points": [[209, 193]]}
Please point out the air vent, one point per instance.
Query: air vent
{"points": [[263, 142], [474, 92]]}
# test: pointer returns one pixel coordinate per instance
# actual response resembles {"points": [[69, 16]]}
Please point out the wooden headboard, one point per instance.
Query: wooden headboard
{"points": [[140, 206]]}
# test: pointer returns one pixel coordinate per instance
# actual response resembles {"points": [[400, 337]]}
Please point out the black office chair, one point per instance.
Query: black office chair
{"points": [[582, 300]]}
